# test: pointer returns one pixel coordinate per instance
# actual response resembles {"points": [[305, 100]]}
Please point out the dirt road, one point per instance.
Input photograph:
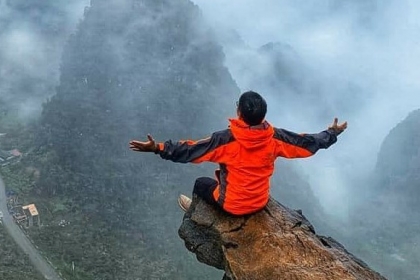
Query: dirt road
{"points": [[20, 238]]}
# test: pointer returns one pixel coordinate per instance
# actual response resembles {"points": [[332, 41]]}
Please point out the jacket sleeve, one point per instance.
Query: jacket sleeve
{"points": [[293, 145], [208, 149]]}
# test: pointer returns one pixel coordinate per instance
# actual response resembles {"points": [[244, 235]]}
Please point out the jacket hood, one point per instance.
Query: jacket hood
{"points": [[251, 137]]}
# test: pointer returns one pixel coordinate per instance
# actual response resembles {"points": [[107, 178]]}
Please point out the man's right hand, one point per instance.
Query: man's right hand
{"points": [[148, 146], [338, 128]]}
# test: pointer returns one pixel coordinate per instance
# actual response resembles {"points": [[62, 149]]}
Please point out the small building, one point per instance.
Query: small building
{"points": [[32, 215], [7, 157], [15, 153]]}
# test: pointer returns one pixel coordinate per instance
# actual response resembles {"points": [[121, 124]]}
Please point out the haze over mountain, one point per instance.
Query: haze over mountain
{"points": [[32, 37], [355, 60], [117, 70]]}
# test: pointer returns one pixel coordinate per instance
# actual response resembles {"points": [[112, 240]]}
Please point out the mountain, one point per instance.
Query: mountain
{"points": [[133, 67], [385, 227], [398, 164]]}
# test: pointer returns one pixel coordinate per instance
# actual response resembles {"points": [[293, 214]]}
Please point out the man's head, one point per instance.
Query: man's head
{"points": [[252, 108]]}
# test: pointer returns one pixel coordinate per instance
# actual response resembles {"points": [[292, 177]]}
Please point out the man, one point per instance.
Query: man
{"points": [[246, 152]]}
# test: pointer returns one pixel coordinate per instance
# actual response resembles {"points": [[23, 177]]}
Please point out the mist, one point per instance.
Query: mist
{"points": [[32, 37], [96, 83], [355, 60], [359, 57]]}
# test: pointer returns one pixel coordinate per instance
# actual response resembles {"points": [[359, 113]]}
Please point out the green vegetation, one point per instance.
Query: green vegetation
{"points": [[14, 264], [110, 212], [76, 231]]}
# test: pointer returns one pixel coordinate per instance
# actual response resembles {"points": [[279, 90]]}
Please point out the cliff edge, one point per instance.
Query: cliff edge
{"points": [[275, 243]]}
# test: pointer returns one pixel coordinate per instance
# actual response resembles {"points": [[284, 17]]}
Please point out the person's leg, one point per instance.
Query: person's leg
{"points": [[204, 187]]}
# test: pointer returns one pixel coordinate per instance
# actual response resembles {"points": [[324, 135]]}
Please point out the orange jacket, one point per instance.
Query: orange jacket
{"points": [[246, 156]]}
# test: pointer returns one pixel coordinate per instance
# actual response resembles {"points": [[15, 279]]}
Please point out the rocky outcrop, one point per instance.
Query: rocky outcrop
{"points": [[275, 243]]}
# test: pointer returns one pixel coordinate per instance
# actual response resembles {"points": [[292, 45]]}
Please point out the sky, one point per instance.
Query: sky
{"points": [[369, 46]]}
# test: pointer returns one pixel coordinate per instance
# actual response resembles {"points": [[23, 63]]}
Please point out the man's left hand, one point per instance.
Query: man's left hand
{"points": [[338, 128]]}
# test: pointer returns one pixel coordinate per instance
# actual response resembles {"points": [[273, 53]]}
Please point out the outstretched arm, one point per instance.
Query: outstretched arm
{"points": [[208, 149], [293, 145]]}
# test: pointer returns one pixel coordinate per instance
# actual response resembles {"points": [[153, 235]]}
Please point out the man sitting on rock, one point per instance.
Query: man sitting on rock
{"points": [[245, 152]]}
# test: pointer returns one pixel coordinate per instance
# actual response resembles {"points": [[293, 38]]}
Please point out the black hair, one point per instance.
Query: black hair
{"points": [[252, 107]]}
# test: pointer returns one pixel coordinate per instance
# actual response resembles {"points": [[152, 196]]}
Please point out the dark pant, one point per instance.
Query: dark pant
{"points": [[204, 187]]}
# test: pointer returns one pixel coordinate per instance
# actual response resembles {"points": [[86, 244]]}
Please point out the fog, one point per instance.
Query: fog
{"points": [[311, 60], [362, 59], [359, 57], [32, 37]]}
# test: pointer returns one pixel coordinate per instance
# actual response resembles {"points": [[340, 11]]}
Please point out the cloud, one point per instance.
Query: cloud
{"points": [[356, 59], [31, 44]]}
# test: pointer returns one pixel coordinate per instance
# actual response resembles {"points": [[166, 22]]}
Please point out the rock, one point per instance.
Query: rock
{"points": [[275, 243]]}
